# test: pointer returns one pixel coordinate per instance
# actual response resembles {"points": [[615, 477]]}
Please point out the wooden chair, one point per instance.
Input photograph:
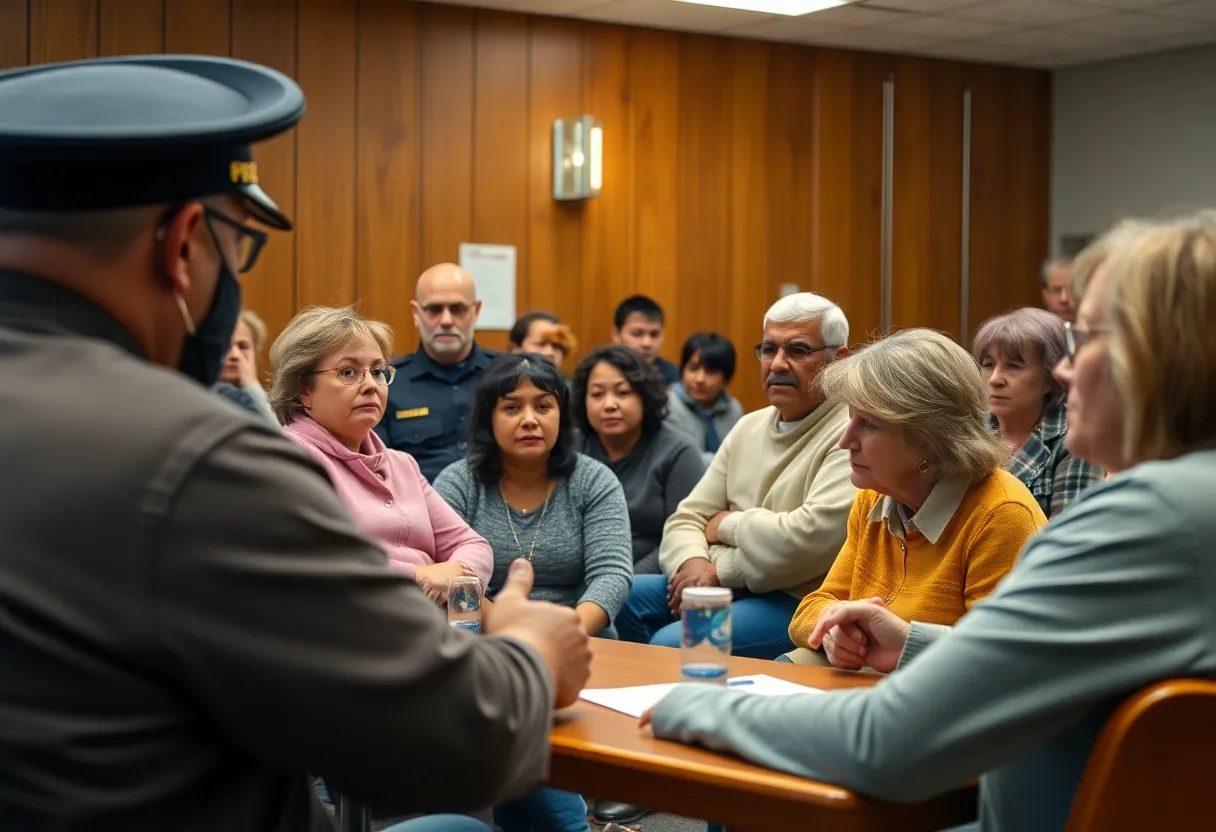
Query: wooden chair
{"points": [[1154, 765]]}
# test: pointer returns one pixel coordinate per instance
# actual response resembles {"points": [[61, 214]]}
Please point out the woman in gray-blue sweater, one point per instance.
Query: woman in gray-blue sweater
{"points": [[1114, 595]]}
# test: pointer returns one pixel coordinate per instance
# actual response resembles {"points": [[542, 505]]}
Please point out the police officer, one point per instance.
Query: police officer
{"points": [[431, 401], [189, 622]]}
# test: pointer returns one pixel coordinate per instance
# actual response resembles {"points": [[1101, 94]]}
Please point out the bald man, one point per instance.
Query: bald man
{"points": [[431, 400]]}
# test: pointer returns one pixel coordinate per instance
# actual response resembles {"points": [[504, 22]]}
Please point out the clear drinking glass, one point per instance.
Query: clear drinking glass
{"points": [[705, 634], [464, 603]]}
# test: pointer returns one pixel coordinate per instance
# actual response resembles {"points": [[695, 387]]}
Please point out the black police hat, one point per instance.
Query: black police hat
{"points": [[140, 130]]}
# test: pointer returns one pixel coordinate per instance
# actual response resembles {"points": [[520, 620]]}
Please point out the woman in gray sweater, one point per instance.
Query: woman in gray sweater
{"points": [[619, 403], [527, 490]]}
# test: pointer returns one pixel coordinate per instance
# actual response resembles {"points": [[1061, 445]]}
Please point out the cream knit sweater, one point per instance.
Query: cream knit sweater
{"points": [[791, 496]]}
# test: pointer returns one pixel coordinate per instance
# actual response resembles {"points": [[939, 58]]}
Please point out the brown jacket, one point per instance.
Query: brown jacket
{"points": [[190, 623]]}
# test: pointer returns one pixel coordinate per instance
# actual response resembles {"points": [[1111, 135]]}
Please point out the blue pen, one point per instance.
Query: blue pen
{"points": [[740, 683]]}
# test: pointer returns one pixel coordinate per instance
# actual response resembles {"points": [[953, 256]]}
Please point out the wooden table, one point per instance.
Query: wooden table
{"points": [[599, 752]]}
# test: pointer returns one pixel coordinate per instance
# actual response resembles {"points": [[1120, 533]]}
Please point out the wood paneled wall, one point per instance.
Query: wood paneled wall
{"points": [[731, 166]]}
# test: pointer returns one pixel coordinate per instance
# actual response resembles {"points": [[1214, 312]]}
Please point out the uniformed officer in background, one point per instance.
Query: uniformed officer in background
{"points": [[189, 621], [430, 404]]}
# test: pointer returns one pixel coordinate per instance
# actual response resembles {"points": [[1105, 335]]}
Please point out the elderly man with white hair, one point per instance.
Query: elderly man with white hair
{"points": [[769, 517]]}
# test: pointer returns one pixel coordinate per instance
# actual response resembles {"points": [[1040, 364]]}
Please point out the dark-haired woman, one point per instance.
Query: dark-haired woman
{"points": [[527, 490], [619, 404], [699, 406]]}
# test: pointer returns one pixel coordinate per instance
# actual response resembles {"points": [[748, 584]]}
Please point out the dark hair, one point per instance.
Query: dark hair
{"points": [[519, 330], [640, 304], [717, 353], [505, 373], [641, 375], [105, 235]]}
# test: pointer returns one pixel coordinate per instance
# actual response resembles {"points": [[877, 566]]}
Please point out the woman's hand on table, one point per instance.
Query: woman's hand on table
{"points": [[856, 634], [433, 579]]}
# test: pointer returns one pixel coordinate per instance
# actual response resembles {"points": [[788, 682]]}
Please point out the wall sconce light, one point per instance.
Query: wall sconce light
{"points": [[578, 158]]}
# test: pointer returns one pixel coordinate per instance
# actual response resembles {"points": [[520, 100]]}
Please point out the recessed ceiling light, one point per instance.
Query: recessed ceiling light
{"points": [[792, 8]]}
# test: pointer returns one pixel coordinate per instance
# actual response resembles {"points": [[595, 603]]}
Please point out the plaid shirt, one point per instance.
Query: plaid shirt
{"points": [[1054, 476]]}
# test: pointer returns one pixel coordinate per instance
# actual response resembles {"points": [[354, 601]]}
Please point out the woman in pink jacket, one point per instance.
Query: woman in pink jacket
{"points": [[330, 386]]}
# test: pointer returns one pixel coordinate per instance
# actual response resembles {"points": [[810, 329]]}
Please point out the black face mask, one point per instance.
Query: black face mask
{"points": [[207, 345]]}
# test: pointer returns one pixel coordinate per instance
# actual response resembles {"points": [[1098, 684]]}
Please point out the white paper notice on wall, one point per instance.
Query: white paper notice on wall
{"points": [[493, 270]]}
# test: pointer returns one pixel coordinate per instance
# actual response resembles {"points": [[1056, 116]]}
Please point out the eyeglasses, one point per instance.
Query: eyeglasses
{"points": [[249, 243], [383, 376], [1076, 338], [434, 311], [794, 350]]}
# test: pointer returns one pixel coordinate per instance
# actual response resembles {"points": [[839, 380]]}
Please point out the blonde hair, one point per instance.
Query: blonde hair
{"points": [[313, 334], [1086, 264], [931, 389], [256, 326], [1160, 309]]}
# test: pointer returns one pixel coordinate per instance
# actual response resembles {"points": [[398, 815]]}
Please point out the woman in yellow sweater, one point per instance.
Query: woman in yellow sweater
{"points": [[937, 521]]}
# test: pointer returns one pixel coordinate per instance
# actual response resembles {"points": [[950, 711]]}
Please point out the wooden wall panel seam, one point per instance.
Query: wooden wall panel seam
{"points": [[295, 163], [477, 18], [527, 278], [360, 292]]}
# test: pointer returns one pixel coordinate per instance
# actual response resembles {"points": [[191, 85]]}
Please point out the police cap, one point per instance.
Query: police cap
{"points": [[140, 130]]}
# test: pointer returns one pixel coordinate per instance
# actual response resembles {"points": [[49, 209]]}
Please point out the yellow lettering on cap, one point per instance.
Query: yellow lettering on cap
{"points": [[413, 413], [243, 173]]}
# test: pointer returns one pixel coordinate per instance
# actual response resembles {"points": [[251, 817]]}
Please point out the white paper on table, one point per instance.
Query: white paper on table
{"points": [[635, 701]]}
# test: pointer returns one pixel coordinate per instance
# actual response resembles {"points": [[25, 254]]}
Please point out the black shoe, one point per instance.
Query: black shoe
{"points": [[610, 811]]}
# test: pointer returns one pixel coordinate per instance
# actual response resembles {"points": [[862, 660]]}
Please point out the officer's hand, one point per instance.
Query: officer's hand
{"points": [[553, 631]]}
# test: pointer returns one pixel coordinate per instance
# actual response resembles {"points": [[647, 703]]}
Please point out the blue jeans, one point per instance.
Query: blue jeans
{"points": [[760, 623], [544, 810], [441, 823]]}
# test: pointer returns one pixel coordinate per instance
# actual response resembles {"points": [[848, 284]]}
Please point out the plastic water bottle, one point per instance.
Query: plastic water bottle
{"points": [[705, 638], [464, 603]]}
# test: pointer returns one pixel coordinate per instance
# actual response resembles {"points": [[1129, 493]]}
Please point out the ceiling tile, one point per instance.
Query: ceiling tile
{"points": [[1044, 40], [924, 6], [1112, 52], [1120, 50], [1189, 10], [852, 15], [797, 29], [1201, 34], [1055, 60], [986, 52], [672, 15], [1027, 12], [1128, 26], [943, 28], [1141, 5], [875, 40]]}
